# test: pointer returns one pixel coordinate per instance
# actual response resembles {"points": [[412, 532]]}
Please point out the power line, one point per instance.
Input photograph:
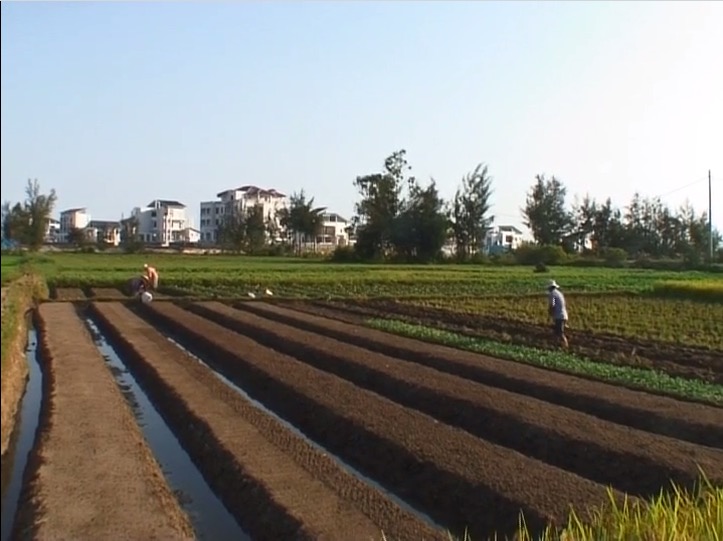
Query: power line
{"points": [[703, 179]]}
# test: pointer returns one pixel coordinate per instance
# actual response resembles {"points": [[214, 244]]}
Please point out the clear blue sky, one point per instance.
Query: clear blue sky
{"points": [[116, 104]]}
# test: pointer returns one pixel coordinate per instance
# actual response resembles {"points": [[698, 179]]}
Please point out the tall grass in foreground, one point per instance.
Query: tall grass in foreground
{"points": [[674, 515]]}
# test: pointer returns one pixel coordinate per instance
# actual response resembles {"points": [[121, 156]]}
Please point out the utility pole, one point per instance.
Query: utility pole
{"points": [[710, 216]]}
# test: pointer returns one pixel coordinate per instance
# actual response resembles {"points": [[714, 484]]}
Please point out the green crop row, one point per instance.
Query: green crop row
{"points": [[638, 378], [674, 321], [321, 278]]}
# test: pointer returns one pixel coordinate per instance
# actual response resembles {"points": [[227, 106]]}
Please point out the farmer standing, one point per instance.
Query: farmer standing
{"points": [[151, 275], [558, 311]]}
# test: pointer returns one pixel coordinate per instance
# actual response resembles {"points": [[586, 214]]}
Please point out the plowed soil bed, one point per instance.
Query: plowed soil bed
{"points": [[691, 362], [455, 477], [91, 474], [657, 414], [280, 486], [632, 460]]}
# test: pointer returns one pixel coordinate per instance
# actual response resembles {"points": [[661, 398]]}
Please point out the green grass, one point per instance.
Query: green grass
{"points": [[638, 378], [235, 275], [18, 301]]}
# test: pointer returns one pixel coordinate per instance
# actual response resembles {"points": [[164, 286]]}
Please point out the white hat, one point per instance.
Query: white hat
{"points": [[552, 284], [145, 265]]}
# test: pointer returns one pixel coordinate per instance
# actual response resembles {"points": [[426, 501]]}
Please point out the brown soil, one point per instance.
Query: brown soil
{"points": [[690, 421], [4, 291], [631, 460], [69, 294], [292, 490], [91, 474], [456, 478], [683, 361]]}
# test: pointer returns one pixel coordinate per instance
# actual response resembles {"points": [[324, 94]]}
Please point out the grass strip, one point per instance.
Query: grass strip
{"points": [[637, 378]]}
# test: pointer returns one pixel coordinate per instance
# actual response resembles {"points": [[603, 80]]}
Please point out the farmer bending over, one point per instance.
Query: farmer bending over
{"points": [[558, 311], [138, 285], [152, 276]]}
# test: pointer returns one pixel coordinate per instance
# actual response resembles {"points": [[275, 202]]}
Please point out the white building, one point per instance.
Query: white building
{"points": [[333, 232], [238, 200], [77, 218], [104, 232], [52, 230], [191, 235], [161, 222], [502, 238]]}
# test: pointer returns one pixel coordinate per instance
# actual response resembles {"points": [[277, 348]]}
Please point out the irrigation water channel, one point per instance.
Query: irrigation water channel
{"points": [[174, 339], [210, 518], [23, 437]]}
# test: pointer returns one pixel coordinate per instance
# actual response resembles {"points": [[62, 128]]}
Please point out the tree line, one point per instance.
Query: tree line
{"points": [[399, 218]]}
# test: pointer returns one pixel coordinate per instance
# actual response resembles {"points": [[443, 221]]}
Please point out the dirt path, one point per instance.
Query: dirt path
{"points": [[69, 294], [690, 421], [91, 474], [291, 489], [456, 478], [633, 461], [677, 360], [107, 293]]}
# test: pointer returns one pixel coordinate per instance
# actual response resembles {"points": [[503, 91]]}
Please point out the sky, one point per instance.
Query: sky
{"points": [[119, 103]]}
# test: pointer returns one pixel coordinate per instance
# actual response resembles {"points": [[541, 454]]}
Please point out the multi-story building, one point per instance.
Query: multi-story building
{"points": [[161, 222], [77, 218], [334, 232], [237, 200], [104, 232]]}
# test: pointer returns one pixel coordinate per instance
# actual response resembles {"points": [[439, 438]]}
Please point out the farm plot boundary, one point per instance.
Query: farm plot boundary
{"points": [[690, 421], [559, 436], [456, 478], [295, 488], [118, 491], [682, 361]]}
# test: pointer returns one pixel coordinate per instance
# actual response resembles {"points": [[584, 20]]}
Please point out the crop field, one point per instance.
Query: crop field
{"points": [[356, 400]]}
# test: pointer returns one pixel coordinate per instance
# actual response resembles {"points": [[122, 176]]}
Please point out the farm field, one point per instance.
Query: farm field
{"points": [[361, 399]]}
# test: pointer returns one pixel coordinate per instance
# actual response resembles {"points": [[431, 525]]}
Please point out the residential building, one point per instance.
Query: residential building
{"points": [[501, 238], [76, 218], [235, 200], [162, 222], [52, 230], [191, 235], [104, 232], [334, 232]]}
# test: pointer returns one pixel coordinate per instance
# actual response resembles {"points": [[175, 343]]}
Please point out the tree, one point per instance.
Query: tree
{"points": [[254, 229], [26, 223], [15, 221], [381, 202], [545, 213], [420, 230], [39, 208], [470, 209], [584, 220], [301, 219], [77, 237], [231, 232]]}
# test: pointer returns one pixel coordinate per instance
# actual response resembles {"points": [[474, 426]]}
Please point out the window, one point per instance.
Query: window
{"points": [[153, 215]]}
